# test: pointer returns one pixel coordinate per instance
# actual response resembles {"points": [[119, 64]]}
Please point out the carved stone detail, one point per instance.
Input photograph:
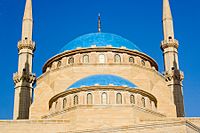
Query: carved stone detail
{"points": [[30, 78], [174, 74]]}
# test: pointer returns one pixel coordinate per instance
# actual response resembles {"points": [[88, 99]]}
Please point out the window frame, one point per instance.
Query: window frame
{"points": [[89, 99], [118, 98], [102, 58], [117, 58], [86, 56]]}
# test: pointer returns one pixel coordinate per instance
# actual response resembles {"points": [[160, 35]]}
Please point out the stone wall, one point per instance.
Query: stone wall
{"points": [[56, 81], [64, 126]]}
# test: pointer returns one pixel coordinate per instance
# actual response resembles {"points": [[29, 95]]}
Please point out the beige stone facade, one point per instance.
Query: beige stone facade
{"points": [[104, 89]]}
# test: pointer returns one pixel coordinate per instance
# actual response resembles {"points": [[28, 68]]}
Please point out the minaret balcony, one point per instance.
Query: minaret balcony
{"points": [[169, 43], [26, 44]]}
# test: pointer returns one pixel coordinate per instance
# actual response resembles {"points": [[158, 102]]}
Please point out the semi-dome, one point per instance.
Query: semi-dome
{"points": [[102, 80], [99, 40]]}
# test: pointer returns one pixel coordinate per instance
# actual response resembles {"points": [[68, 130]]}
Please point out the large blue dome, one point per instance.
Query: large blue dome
{"points": [[100, 40], [102, 80]]}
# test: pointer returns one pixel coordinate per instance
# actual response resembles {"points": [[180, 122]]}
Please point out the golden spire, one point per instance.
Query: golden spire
{"points": [[99, 23]]}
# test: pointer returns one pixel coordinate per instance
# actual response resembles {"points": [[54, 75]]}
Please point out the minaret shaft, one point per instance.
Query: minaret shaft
{"points": [[168, 29], [169, 47], [24, 78], [27, 26]]}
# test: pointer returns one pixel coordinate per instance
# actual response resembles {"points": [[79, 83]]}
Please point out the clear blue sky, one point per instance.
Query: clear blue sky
{"points": [[58, 22]]}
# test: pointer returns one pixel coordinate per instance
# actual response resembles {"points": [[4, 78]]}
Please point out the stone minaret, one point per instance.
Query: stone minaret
{"points": [[169, 47], [24, 78]]}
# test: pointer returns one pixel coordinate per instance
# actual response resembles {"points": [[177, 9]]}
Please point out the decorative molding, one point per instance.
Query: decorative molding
{"points": [[96, 106]]}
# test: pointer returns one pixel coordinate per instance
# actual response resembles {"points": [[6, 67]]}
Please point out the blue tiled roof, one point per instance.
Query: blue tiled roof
{"points": [[102, 80], [100, 40]]}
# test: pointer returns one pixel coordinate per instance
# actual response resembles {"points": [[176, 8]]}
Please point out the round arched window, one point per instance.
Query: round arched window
{"points": [[85, 59], [117, 58], [89, 98], [59, 64], [64, 103], [103, 98], [119, 98], [71, 60], [143, 102], [131, 59], [132, 99], [75, 100], [143, 62], [102, 58]]}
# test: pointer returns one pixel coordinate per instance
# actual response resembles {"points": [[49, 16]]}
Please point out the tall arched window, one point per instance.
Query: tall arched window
{"points": [[89, 98], [131, 59], [132, 99], [117, 58], [143, 102], [71, 60], [56, 105], [119, 98], [101, 58], [59, 64], [143, 62], [64, 103], [75, 100], [85, 59], [150, 103], [103, 98]]}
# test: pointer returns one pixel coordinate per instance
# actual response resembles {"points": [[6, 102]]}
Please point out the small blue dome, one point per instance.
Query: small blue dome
{"points": [[102, 80], [100, 40]]}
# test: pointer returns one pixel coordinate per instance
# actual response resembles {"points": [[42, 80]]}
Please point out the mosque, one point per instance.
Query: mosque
{"points": [[101, 83]]}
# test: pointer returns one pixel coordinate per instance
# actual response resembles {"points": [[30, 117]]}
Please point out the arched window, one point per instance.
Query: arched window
{"points": [[150, 102], [89, 98], [143, 102], [132, 99], [103, 98], [75, 100], [64, 103], [59, 64], [131, 59], [101, 58], [143, 62], [85, 59], [119, 98], [117, 58], [56, 105], [71, 60]]}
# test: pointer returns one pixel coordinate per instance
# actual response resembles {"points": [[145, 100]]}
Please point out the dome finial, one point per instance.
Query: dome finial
{"points": [[99, 22]]}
